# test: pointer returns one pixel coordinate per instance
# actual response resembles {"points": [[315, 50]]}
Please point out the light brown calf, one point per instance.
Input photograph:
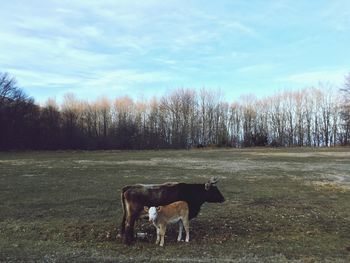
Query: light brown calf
{"points": [[162, 215]]}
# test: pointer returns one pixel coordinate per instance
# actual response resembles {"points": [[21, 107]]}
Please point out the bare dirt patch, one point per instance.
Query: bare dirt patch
{"points": [[17, 162], [128, 162], [302, 154], [204, 164], [335, 182]]}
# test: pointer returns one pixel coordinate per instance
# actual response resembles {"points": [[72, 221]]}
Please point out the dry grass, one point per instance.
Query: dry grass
{"points": [[282, 205]]}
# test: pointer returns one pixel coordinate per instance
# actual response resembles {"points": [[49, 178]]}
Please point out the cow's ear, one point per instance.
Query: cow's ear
{"points": [[207, 186], [146, 209], [158, 208]]}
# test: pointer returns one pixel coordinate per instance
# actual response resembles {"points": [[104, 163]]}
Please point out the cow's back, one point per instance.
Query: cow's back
{"points": [[152, 194]]}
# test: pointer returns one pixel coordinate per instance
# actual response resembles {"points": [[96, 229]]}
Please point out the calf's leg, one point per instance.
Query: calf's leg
{"points": [[186, 223], [179, 237], [162, 234], [158, 235]]}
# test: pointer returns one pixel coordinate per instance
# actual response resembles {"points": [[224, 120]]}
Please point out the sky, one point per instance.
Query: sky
{"points": [[144, 48]]}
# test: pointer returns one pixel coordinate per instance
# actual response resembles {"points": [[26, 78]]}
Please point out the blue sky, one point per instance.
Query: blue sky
{"points": [[144, 48]]}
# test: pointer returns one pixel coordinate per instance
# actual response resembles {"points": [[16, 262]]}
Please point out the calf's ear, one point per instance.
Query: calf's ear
{"points": [[158, 208], [146, 209]]}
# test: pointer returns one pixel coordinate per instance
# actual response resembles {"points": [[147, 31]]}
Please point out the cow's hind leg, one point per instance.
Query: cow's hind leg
{"points": [[133, 214], [129, 229], [122, 225]]}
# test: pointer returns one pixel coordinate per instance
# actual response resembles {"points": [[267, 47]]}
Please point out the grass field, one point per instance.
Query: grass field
{"points": [[282, 205]]}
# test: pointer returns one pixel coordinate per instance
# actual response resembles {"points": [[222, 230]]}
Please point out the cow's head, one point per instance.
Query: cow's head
{"points": [[212, 193]]}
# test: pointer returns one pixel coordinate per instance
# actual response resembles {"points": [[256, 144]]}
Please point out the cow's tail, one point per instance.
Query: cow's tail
{"points": [[122, 227]]}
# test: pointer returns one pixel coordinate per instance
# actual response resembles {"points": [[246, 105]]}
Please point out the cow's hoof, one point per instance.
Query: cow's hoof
{"points": [[127, 241]]}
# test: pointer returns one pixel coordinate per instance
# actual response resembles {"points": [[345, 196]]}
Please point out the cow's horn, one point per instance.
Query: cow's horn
{"points": [[213, 180]]}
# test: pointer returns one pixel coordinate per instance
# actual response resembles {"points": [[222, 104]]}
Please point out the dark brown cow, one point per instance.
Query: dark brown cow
{"points": [[135, 197]]}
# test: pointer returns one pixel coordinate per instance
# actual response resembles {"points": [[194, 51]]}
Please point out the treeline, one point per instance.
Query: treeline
{"points": [[182, 119]]}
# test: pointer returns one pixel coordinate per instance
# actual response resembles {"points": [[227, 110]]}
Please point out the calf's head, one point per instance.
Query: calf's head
{"points": [[152, 212], [212, 193]]}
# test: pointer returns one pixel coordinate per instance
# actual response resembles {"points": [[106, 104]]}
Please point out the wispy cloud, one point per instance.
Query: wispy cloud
{"points": [[46, 80], [122, 79], [314, 78], [104, 80], [258, 68], [337, 16]]}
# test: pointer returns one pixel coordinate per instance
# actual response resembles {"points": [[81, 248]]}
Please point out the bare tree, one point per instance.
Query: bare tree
{"points": [[126, 130], [9, 90], [103, 106], [309, 106], [345, 110], [50, 125], [235, 125], [181, 119], [72, 121], [278, 120], [207, 104], [249, 115], [18, 116], [299, 117], [326, 112]]}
